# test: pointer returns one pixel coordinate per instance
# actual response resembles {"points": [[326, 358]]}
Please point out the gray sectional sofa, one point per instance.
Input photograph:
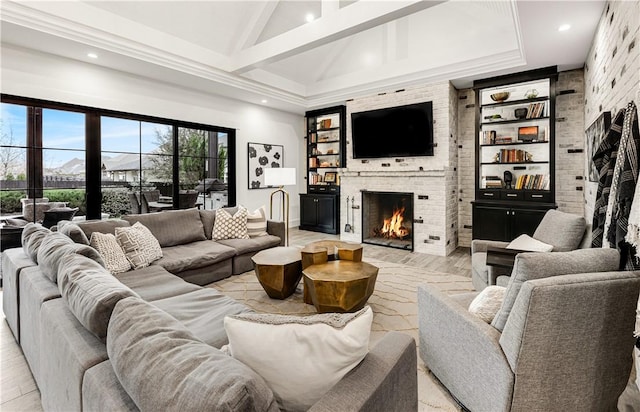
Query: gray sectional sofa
{"points": [[59, 302]]}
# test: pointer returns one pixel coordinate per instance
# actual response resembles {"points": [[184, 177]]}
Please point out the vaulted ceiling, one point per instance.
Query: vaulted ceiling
{"points": [[305, 54]]}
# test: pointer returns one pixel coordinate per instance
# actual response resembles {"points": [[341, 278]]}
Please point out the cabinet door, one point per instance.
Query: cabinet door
{"points": [[327, 213], [308, 211], [525, 221], [490, 223]]}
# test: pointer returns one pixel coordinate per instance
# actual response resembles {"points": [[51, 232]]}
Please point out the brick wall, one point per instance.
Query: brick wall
{"points": [[612, 70], [432, 179]]}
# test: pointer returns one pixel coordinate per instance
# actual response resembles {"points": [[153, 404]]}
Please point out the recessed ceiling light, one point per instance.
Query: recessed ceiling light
{"points": [[265, 101], [564, 27], [92, 55], [309, 17]]}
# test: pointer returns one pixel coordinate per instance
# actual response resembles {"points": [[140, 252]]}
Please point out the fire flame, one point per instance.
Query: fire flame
{"points": [[392, 227]]}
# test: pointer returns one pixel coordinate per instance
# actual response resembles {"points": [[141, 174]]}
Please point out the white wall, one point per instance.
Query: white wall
{"points": [[43, 76]]}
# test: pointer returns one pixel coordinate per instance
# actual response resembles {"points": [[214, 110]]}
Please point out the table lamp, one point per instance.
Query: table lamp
{"points": [[280, 176]]}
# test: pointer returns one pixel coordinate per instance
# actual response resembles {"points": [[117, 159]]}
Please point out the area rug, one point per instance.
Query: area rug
{"points": [[395, 307]]}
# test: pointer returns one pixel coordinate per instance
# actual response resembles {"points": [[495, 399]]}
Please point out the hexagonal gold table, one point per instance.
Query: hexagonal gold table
{"points": [[279, 270], [339, 285]]}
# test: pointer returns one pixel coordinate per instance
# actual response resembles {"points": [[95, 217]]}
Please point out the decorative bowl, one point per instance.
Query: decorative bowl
{"points": [[500, 96]]}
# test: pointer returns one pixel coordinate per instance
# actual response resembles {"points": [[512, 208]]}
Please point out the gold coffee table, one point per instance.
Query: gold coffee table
{"points": [[279, 270], [335, 278]]}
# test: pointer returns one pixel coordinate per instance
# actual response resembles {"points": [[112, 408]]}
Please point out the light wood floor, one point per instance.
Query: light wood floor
{"points": [[18, 391]]}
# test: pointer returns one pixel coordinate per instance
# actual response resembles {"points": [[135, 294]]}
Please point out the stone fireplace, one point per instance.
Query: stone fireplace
{"points": [[387, 219]]}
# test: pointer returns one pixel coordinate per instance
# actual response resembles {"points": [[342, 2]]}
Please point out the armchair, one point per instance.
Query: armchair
{"points": [[547, 349], [564, 231]]}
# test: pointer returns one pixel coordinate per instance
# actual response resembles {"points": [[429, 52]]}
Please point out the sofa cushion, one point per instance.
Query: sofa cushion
{"points": [[154, 282], [208, 217], [73, 231], [90, 291], [139, 245], [487, 303], [202, 312], [538, 265], [32, 236], [54, 247], [194, 255], [243, 246], [172, 227], [102, 226], [563, 231], [228, 226], [164, 367], [257, 222], [317, 350], [112, 254]]}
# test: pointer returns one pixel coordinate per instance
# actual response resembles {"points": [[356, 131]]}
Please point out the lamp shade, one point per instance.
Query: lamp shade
{"points": [[280, 176]]}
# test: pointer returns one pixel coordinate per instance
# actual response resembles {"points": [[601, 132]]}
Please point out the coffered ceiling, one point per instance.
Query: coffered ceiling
{"points": [[304, 54]]}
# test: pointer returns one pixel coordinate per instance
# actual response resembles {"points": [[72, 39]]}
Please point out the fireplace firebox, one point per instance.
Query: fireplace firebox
{"points": [[387, 219]]}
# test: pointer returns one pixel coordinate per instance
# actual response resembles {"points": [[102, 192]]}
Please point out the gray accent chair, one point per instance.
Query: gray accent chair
{"points": [[562, 340], [564, 231]]}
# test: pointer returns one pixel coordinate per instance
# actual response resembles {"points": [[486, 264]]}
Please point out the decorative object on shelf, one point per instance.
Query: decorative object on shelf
{"points": [[261, 157], [508, 178], [531, 94], [500, 96], [595, 133], [520, 113], [325, 124], [281, 177], [493, 117], [330, 177], [528, 133]]}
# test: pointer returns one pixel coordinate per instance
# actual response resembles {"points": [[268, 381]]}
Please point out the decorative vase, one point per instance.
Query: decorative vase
{"points": [[520, 113]]}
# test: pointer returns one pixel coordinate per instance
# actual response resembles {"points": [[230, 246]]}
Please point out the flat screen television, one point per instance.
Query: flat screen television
{"points": [[400, 131]]}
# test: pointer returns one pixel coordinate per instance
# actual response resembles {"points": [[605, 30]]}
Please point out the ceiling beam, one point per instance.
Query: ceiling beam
{"points": [[256, 24], [347, 21]]}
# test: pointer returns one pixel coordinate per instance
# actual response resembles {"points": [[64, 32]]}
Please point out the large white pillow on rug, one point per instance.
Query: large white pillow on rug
{"points": [[115, 261], [257, 222], [300, 357], [230, 227], [139, 245], [526, 242], [487, 303]]}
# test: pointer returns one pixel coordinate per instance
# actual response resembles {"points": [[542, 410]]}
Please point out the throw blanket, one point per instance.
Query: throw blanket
{"points": [[625, 177], [633, 230], [605, 160]]}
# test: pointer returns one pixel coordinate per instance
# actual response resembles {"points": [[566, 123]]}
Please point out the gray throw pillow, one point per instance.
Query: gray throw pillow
{"points": [[538, 265], [91, 292], [73, 231], [172, 227], [164, 367], [32, 236]]}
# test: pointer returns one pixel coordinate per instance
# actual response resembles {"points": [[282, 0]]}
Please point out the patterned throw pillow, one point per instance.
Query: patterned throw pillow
{"points": [[139, 245], [257, 222], [230, 227], [107, 246]]}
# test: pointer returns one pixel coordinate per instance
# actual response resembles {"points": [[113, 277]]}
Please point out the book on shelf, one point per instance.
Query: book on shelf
{"points": [[491, 182], [488, 137], [532, 182], [513, 156], [536, 110], [313, 162]]}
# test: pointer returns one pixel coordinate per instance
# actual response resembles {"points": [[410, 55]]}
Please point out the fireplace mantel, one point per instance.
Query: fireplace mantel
{"points": [[392, 173]]}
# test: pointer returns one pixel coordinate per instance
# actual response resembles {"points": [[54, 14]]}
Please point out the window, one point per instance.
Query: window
{"points": [[13, 158]]}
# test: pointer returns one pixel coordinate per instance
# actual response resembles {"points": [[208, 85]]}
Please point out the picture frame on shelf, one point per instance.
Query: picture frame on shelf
{"points": [[261, 156], [330, 177], [595, 133], [528, 133]]}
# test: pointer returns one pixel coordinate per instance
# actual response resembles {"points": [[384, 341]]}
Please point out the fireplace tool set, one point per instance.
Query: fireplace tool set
{"points": [[349, 226]]}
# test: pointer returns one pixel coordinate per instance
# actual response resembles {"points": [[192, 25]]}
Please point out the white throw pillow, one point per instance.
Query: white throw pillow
{"points": [[230, 227], [115, 261], [526, 242], [487, 303], [257, 222], [300, 357], [139, 245]]}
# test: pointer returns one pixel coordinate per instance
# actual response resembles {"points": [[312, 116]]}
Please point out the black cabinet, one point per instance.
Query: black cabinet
{"points": [[319, 213], [497, 222], [326, 156], [515, 153]]}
